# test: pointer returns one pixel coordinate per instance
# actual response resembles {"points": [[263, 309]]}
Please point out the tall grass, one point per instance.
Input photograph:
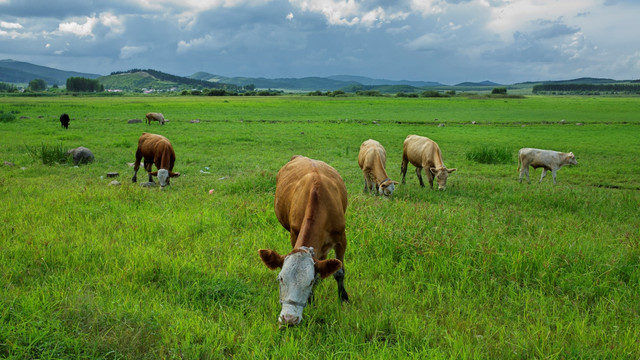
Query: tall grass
{"points": [[48, 154], [490, 155]]}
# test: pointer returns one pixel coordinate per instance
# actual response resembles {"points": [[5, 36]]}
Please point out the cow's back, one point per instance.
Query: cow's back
{"points": [[422, 151], [301, 185], [158, 149], [370, 151]]}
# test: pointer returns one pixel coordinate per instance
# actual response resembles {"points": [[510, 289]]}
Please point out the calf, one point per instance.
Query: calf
{"points": [[546, 159], [64, 121], [424, 153], [372, 159], [310, 203], [153, 116], [155, 149]]}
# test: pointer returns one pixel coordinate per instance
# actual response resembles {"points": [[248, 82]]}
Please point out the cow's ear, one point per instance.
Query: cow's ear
{"points": [[174, 174], [395, 182], [327, 267], [433, 170], [272, 259], [452, 170]]}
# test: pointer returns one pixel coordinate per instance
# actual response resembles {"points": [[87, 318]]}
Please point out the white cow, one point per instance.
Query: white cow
{"points": [[546, 159]]}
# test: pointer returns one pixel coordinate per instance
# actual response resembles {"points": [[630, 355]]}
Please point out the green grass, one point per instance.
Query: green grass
{"points": [[490, 155], [489, 268]]}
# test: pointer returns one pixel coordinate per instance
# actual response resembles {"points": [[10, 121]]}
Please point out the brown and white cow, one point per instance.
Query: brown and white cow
{"points": [[372, 160], [424, 153], [154, 116], [310, 202], [155, 149], [546, 159]]}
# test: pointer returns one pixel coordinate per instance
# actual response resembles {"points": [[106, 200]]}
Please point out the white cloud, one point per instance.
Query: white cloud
{"points": [[521, 15], [349, 12], [207, 42], [290, 16], [8, 25], [127, 52], [113, 22], [427, 7], [77, 29]]}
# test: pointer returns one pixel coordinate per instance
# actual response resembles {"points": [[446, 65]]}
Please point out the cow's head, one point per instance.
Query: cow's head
{"points": [[164, 176], [441, 174], [296, 279], [387, 187], [571, 159]]}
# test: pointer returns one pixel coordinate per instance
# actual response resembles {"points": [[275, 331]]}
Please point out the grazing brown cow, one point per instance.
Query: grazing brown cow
{"points": [[546, 159], [153, 116], [424, 153], [310, 202], [155, 149], [372, 160]]}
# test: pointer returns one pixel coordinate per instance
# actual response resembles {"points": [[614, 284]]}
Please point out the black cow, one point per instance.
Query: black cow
{"points": [[64, 120]]}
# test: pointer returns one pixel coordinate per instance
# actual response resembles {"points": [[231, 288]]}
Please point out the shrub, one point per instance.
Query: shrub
{"points": [[432, 93], [490, 155], [7, 116], [499, 90], [48, 154]]}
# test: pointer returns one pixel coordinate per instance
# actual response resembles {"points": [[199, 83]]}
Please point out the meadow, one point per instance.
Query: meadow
{"points": [[489, 268]]}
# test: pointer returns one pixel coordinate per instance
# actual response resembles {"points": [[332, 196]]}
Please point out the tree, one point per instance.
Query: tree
{"points": [[6, 87], [80, 84], [37, 85], [499, 90]]}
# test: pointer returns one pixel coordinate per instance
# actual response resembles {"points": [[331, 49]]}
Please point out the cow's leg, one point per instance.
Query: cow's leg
{"points": [[136, 166], [429, 176], [403, 167], [339, 275], [544, 173], [553, 172], [418, 170], [521, 173], [147, 167], [525, 171]]}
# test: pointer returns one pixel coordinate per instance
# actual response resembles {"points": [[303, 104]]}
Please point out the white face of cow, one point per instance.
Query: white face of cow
{"points": [[441, 175], [296, 281], [387, 188], [163, 177], [571, 159]]}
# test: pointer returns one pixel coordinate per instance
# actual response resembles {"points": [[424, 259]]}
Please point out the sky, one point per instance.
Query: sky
{"points": [[448, 41]]}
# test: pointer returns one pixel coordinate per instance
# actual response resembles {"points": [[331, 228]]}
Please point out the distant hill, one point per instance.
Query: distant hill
{"points": [[299, 84], [12, 71], [377, 82], [476, 84], [136, 79]]}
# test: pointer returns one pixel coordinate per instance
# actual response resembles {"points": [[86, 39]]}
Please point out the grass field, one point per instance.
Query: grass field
{"points": [[489, 268]]}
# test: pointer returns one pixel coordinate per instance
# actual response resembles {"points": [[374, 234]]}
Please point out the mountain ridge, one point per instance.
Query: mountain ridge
{"points": [[13, 71]]}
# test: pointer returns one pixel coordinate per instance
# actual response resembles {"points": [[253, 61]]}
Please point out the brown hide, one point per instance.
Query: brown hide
{"points": [[423, 152], [310, 202], [372, 160], [155, 149]]}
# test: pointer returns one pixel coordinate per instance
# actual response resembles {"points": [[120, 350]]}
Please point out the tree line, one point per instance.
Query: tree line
{"points": [[627, 88]]}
